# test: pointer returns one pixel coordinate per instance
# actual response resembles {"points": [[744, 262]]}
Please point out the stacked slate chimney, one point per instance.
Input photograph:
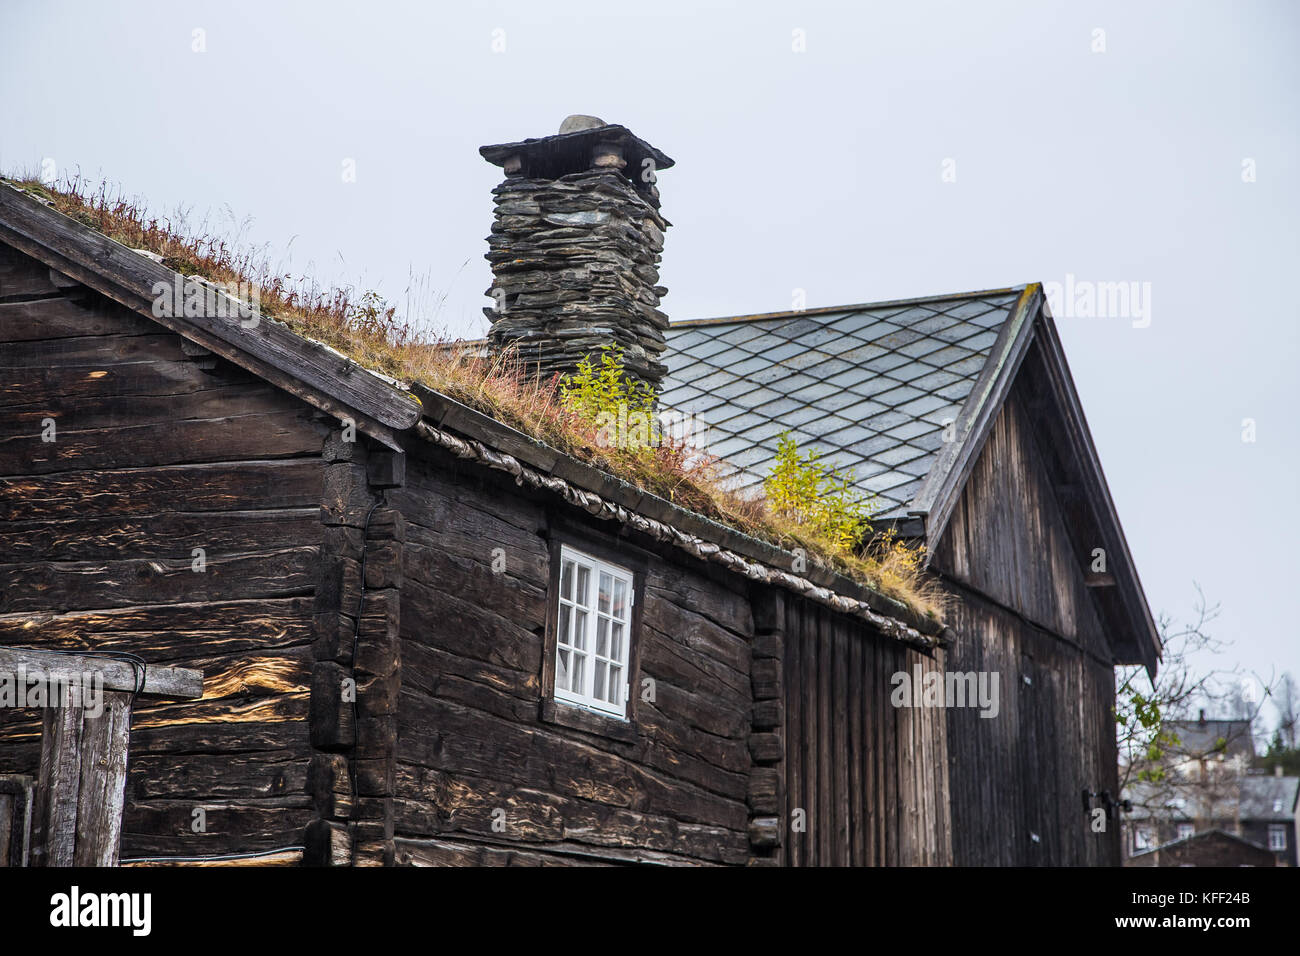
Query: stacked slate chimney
{"points": [[575, 249]]}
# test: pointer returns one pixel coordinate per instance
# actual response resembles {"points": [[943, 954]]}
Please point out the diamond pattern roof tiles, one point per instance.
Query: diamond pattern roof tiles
{"points": [[869, 386]]}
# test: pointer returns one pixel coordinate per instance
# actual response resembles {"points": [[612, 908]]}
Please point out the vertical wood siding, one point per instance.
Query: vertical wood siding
{"points": [[1020, 609], [871, 778]]}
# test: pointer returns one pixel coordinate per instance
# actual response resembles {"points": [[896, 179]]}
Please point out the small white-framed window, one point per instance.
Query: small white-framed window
{"points": [[593, 633], [1276, 837], [1141, 838], [1186, 830]]}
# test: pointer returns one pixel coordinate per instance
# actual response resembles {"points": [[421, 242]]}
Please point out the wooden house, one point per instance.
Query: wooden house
{"points": [[427, 638]]}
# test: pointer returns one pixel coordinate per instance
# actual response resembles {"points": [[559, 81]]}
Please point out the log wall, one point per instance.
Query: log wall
{"points": [[158, 449], [482, 775]]}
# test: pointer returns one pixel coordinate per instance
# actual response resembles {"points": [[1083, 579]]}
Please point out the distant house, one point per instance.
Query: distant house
{"points": [[1207, 848], [429, 639], [1257, 807], [1270, 805], [1204, 743]]}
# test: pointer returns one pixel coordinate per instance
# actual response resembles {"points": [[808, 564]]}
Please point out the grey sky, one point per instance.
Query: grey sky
{"points": [[818, 170]]}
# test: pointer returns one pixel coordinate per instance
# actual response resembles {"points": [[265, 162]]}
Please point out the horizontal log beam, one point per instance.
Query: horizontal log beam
{"points": [[116, 675]]}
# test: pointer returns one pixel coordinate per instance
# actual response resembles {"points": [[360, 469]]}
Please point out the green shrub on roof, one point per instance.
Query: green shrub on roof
{"points": [[803, 489]]}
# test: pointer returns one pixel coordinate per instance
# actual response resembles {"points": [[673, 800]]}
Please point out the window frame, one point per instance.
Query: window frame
{"points": [[1277, 830], [566, 708]]}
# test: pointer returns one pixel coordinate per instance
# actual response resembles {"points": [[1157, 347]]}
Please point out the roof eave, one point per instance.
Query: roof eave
{"points": [[942, 488]]}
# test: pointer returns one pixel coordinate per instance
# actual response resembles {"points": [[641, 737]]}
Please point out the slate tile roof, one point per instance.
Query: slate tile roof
{"points": [[869, 386]]}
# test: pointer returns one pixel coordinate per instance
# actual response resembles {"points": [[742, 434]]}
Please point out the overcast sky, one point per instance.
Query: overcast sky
{"points": [[859, 152]]}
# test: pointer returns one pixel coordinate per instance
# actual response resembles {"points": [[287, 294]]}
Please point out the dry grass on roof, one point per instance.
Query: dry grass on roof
{"points": [[376, 336]]}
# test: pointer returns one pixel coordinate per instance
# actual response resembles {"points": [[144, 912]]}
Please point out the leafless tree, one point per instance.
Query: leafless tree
{"points": [[1156, 771]]}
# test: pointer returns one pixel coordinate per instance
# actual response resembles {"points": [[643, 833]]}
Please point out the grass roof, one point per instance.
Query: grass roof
{"points": [[376, 336]]}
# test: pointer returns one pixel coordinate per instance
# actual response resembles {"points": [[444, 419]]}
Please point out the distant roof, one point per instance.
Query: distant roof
{"points": [[1198, 738], [1204, 836], [1266, 797], [871, 387]]}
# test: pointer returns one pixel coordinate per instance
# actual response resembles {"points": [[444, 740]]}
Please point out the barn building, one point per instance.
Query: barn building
{"points": [[427, 639]]}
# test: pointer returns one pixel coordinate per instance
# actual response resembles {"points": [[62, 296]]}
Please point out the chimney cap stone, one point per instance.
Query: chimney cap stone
{"points": [[573, 149], [580, 121]]}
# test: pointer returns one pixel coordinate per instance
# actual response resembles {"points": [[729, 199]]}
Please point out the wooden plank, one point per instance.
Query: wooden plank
{"points": [[129, 411], [91, 351], [203, 487], [825, 738], [160, 535], [62, 586], [103, 780], [840, 748], [66, 317], [795, 794], [16, 796], [279, 435], [54, 823], [290, 857], [855, 694], [37, 386], [168, 633], [116, 675]]}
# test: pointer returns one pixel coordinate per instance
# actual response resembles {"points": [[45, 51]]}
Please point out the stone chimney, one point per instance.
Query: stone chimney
{"points": [[575, 249]]}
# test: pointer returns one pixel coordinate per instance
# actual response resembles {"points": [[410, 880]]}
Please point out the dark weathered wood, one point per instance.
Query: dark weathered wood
{"points": [[1023, 610], [43, 586], [16, 796], [54, 825], [103, 778], [164, 535], [111, 539], [22, 277], [204, 487], [871, 777]]}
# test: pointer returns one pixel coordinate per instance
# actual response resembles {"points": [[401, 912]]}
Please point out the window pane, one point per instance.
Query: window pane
{"points": [[605, 582], [563, 630], [579, 629], [602, 627], [616, 641], [616, 686], [620, 600], [581, 596], [578, 674], [598, 691], [566, 580], [562, 670]]}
